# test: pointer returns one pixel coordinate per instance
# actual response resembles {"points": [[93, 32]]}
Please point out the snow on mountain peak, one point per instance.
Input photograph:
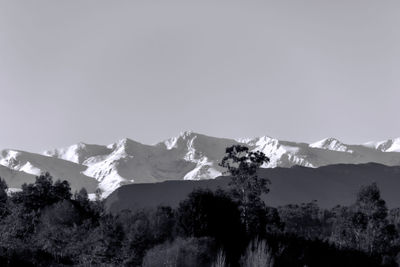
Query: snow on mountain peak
{"points": [[171, 143], [259, 141], [395, 145], [331, 144], [186, 134], [176, 141], [16, 160], [77, 153], [390, 145], [122, 143], [9, 158]]}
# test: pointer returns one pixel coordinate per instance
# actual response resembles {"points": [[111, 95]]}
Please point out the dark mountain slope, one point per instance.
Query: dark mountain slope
{"points": [[329, 185]]}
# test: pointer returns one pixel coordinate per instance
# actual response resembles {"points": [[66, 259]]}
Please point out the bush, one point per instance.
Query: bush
{"points": [[220, 261], [258, 254], [216, 215], [181, 253]]}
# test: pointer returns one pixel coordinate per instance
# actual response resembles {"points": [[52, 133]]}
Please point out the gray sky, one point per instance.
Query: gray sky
{"points": [[97, 71]]}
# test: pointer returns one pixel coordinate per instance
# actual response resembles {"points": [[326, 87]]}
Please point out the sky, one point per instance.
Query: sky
{"points": [[98, 71]]}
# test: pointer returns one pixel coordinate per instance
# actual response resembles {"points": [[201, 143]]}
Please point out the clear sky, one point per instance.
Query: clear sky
{"points": [[97, 71]]}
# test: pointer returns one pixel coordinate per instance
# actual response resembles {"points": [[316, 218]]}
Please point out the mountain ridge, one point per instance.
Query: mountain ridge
{"points": [[188, 156]]}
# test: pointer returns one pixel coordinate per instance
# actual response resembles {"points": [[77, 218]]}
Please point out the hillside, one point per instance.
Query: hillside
{"points": [[330, 186]]}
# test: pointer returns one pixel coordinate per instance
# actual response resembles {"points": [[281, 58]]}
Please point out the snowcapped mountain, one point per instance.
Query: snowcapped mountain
{"points": [[22, 163], [391, 145], [331, 144], [189, 156]]}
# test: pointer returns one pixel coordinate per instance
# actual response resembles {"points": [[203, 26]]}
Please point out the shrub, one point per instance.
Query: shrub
{"points": [[258, 254], [220, 261], [181, 253]]}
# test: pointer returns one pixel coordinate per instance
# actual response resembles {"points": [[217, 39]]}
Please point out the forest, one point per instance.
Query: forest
{"points": [[45, 224]]}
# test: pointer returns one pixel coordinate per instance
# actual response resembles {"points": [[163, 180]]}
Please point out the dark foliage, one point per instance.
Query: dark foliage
{"points": [[205, 213], [45, 225], [196, 252], [290, 250], [42, 193]]}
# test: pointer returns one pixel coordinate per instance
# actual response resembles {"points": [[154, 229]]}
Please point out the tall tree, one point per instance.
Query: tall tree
{"points": [[378, 234], [246, 186], [365, 225], [4, 207]]}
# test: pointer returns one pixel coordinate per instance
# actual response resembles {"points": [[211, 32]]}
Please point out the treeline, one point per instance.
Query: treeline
{"points": [[46, 225]]}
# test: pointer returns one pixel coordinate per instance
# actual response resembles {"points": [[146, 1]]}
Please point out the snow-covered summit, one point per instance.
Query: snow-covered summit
{"points": [[390, 145], [331, 144], [77, 153]]}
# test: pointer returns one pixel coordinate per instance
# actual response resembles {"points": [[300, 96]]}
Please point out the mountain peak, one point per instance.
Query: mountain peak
{"points": [[185, 134], [330, 143], [259, 141], [173, 142], [77, 153], [390, 145], [124, 142], [127, 146]]}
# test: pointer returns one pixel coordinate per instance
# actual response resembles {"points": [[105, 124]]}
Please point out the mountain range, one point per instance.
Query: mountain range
{"points": [[189, 156]]}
